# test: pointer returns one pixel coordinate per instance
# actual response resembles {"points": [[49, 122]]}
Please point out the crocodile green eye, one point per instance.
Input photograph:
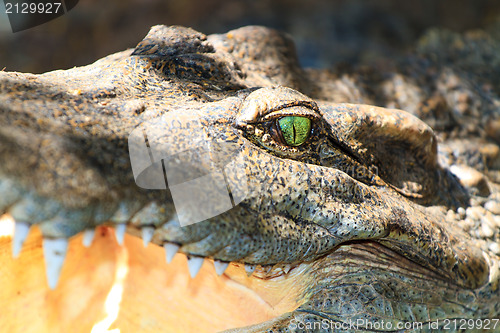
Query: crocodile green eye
{"points": [[295, 130]]}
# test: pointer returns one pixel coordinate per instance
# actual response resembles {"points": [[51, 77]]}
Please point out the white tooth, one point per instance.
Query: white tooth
{"points": [[220, 266], [54, 251], [21, 231], [120, 232], [170, 251], [250, 269], [88, 237], [147, 235], [287, 268], [194, 265]]}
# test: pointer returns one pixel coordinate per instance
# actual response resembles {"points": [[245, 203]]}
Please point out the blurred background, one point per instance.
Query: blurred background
{"points": [[326, 32]]}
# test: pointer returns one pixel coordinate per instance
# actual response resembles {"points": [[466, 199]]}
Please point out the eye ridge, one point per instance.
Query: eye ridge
{"points": [[307, 104]]}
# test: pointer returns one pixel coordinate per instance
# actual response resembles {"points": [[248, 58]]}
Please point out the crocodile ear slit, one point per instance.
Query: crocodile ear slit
{"points": [[379, 131], [398, 148]]}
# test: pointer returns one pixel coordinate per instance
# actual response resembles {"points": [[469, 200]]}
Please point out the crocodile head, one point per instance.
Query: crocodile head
{"points": [[205, 146]]}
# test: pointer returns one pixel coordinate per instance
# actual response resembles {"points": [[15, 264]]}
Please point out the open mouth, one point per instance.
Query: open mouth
{"points": [[113, 288], [116, 288]]}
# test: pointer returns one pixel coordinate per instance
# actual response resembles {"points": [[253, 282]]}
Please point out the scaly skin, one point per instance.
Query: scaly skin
{"points": [[363, 213]]}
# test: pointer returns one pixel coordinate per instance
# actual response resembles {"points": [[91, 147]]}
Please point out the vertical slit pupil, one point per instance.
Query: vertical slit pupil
{"points": [[295, 130]]}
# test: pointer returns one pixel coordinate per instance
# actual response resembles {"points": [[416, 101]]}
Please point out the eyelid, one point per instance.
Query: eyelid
{"points": [[294, 111], [267, 103]]}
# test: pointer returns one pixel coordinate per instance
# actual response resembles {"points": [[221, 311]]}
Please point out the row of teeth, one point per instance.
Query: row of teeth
{"points": [[55, 250]]}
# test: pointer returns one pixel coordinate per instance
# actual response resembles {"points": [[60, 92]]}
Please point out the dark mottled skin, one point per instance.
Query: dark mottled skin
{"points": [[367, 207]]}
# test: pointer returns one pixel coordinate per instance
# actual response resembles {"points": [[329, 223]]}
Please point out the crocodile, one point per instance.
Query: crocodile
{"points": [[361, 217]]}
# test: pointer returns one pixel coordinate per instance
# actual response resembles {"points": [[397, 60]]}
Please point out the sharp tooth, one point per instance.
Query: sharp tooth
{"points": [[267, 269], [287, 268], [147, 235], [220, 266], [194, 265], [250, 269], [170, 251], [88, 237], [120, 232], [54, 251], [21, 230]]}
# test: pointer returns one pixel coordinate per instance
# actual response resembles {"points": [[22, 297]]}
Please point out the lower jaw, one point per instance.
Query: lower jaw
{"points": [[132, 288]]}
